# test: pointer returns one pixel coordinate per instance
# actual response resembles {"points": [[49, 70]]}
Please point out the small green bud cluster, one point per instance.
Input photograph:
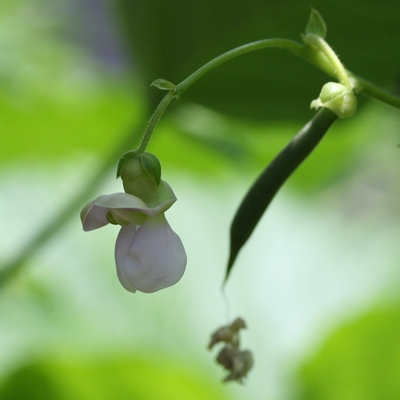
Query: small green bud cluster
{"points": [[337, 98]]}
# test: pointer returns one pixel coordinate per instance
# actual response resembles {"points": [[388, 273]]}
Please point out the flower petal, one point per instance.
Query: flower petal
{"points": [[153, 260], [93, 217], [94, 214], [124, 240]]}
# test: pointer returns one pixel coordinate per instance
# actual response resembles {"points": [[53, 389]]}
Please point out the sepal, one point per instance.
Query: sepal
{"points": [[123, 159], [316, 25], [152, 166]]}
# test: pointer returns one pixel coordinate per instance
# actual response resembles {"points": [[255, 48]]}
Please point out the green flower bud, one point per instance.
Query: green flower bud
{"points": [[337, 98], [140, 174]]}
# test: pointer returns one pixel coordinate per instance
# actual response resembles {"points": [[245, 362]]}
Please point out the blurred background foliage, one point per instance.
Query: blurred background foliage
{"points": [[360, 360], [104, 379], [75, 82]]}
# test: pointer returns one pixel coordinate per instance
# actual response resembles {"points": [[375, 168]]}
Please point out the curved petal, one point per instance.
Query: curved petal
{"points": [[93, 217], [94, 214], [153, 260]]}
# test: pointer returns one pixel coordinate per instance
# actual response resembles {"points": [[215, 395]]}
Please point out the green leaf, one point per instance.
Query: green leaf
{"points": [[316, 25], [163, 84], [360, 360], [129, 377]]}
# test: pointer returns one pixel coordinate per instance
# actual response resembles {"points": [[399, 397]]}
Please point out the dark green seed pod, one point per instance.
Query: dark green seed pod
{"points": [[273, 177]]}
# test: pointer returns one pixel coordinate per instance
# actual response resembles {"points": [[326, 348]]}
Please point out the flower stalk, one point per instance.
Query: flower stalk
{"points": [[155, 118], [321, 45]]}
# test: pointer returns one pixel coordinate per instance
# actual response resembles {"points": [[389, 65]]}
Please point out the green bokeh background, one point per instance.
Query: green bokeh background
{"points": [[75, 82]]}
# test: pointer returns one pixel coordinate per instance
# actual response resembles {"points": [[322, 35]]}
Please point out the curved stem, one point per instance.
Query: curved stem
{"points": [[159, 111], [375, 91], [315, 50], [320, 44], [294, 47], [290, 45]]}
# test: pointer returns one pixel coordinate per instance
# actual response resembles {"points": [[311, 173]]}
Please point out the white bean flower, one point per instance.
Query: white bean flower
{"points": [[149, 255]]}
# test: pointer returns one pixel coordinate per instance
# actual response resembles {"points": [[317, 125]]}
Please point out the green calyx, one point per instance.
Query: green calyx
{"points": [[143, 162], [140, 173], [337, 98], [152, 166]]}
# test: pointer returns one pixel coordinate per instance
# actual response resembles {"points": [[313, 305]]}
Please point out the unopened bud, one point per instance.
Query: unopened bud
{"points": [[338, 99], [140, 174]]}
